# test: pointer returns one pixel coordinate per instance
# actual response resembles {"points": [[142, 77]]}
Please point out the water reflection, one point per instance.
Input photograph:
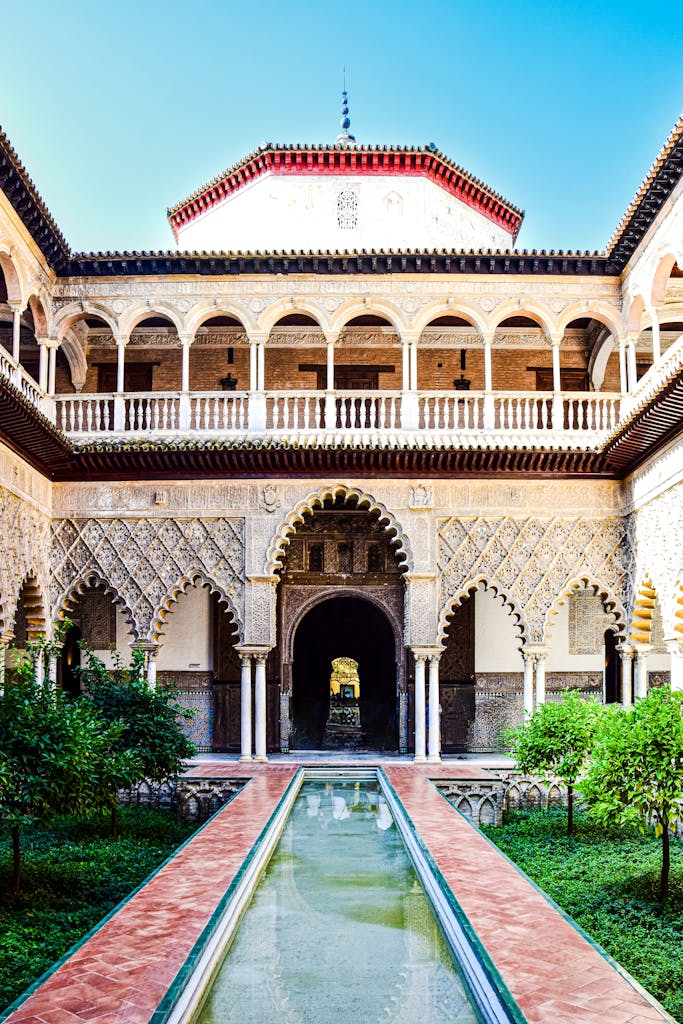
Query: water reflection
{"points": [[339, 928]]}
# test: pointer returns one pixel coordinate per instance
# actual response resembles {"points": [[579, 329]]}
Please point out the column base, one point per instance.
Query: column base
{"points": [[419, 760], [261, 758], [245, 757], [434, 758]]}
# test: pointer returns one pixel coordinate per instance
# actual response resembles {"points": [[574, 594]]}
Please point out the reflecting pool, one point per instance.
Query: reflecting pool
{"points": [[339, 929]]}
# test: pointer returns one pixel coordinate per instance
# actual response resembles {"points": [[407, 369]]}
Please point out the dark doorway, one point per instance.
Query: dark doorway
{"points": [[353, 628], [69, 663], [612, 688]]}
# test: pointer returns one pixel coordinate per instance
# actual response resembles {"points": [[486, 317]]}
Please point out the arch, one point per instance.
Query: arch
{"points": [[458, 308], [9, 271], [316, 500], [74, 353], [585, 581], [191, 579], [599, 358], [634, 313], [135, 316], [70, 315], [284, 307], [91, 580], [40, 323], [519, 307], [487, 812], [643, 610], [204, 311], [359, 307], [606, 314], [33, 606], [661, 276], [466, 591], [328, 595]]}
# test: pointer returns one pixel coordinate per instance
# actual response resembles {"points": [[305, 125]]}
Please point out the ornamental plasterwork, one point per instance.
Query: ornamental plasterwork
{"points": [[110, 500], [147, 563], [658, 542], [533, 561], [26, 552]]}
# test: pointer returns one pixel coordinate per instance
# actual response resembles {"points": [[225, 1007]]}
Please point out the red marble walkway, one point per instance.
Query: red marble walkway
{"points": [[554, 974], [120, 975]]}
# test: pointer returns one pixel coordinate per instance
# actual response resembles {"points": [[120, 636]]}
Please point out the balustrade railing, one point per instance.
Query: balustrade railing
{"points": [[448, 411], [218, 412], [295, 410]]}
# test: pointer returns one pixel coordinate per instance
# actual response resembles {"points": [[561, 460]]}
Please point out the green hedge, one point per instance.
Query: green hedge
{"points": [[73, 876], [607, 881]]}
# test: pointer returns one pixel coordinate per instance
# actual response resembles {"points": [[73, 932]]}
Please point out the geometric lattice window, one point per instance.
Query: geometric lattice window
{"points": [[315, 558], [347, 209], [375, 560]]}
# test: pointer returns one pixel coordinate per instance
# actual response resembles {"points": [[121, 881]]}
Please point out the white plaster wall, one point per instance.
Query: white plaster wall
{"points": [[186, 643], [496, 640], [291, 212]]}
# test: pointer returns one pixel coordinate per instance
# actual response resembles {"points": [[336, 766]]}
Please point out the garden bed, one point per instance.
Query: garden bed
{"points": [[72, 876], [607, 881]]}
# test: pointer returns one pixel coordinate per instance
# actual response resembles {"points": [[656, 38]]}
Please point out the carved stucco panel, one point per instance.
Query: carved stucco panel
{"points": [[421, 610], [532, 561], [148, 562], [26, 552], [658, 544], [260, 604]]}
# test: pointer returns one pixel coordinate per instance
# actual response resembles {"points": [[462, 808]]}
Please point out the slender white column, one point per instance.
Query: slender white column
{"points": [[260, 708], [488, 372], [675, 653], [420, 731], [253, 365], [261, 367], [52, 670], [120, 364], [186, 342], [656, 343], [623, 375], [555, 348], [528, 687], [40, 668], [245, 708], [406, 365], [626, 655], [640, 671], [631, 362], [152, 652], [413, 366], [5, 641], [16, 333], [52, 370], [434, 710], [42, 365], [540, 679], [330, 366]]}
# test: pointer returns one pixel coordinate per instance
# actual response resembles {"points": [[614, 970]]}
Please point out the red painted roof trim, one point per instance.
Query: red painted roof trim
{"points": [[387, 163]]}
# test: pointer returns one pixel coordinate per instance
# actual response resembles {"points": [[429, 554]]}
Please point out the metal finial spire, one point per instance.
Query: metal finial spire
{"points": [[344, 138]]}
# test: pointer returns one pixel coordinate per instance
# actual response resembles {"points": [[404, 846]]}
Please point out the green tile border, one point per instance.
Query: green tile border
{"points": [[177, 986], [34, 986], [478, 947], [640, 989]]}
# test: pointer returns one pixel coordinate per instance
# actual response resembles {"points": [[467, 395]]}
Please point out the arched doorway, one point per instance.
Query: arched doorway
{"points": [[352, 627]]}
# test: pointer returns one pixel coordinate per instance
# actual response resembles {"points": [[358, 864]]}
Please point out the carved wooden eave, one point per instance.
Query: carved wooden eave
{"points": [[30, 435], [652, 427]]}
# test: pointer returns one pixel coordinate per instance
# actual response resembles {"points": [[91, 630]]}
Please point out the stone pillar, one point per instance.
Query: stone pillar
{"points": [[673, 647], [557, 377], [420, 731], [257, 400], [528, 686], [626, 653], [656, 344], [405, 381], [16, 331], [39, 667], [186, 342], [434, 709], [245, 707], [5, 641], [488, 371], [52, 369], [631, 362], [410, 408], [413, 365], [330, 400], [253, 365], [330, 365], [261, 366], [260, 707], [120, 365], [623, 375], [540, 678], [43, 344], [52, 670], [640, 670]]}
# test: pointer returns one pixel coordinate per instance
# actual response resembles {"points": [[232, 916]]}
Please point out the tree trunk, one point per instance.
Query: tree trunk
{"points": [[570, 809], [16, 860], [114, 822], [666, 861]]}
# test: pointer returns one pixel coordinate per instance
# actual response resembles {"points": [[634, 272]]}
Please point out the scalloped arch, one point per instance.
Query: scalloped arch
{"points": [[315, 500], [93, 580], [191, 579], [34, 604], [644, 600], [469, 588], [584, 581]]}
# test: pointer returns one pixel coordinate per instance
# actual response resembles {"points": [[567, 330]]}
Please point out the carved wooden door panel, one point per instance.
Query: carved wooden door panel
{"points": [[226, 716], [457, 711]]}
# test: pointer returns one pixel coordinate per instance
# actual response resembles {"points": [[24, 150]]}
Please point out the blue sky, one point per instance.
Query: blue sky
{"points": [[119, 110]]}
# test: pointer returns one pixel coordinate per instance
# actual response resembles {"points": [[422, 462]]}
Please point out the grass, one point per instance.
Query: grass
{"points": [[72, 876], [607, 881]]}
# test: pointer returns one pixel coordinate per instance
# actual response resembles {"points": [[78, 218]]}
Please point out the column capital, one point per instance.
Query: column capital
{"points": [[331, 337], [641, 650], [409, 337], [625, 649], [632, 338], [186, 338], [253, 650], [487, 337], [537, 651], [147, 646], [16, 305], [555, 339], [47, 342], [257, 337]]}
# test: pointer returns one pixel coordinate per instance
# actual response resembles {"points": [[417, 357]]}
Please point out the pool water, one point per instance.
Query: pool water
{"points": [[339, 929]]}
